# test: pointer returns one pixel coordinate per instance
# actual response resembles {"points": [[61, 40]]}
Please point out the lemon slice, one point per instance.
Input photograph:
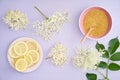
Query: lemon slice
{"points": [[21, 65], [35, 55], [12, 53], [25, 55], [28, 59], [32, 45], [20, 48]]}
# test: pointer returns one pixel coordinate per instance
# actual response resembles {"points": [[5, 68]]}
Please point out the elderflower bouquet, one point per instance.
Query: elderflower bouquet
{"points": [[58, 54], [99, 58], [50, 25], [87, 58], [16, 20]]}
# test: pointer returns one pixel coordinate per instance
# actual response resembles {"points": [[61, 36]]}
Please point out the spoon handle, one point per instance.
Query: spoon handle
{"points": [[84, 38]]}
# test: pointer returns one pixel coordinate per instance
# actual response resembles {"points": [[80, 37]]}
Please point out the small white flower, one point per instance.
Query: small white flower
{"points": [[87, 58], [48, 27], [58, 54], [16, 19]]}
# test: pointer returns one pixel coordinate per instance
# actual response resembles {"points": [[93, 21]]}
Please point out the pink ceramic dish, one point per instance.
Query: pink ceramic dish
{"points": [[82, 18]]}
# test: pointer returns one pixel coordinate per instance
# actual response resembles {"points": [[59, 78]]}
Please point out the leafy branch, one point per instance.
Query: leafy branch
{"points": [[111, 55]]}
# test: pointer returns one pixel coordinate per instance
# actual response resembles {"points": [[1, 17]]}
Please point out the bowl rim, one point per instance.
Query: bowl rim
{"points": [[87, 10]]}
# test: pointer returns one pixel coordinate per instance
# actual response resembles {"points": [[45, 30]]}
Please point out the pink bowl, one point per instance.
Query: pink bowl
{"points": [[82, 18]]}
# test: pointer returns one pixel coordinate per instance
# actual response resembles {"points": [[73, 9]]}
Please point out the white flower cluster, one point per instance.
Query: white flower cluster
{"points": [[16, 20], [48, 27], [87, 58], [58, 54]]}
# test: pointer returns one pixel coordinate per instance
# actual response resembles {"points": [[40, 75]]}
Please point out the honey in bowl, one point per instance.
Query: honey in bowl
{"points": [[97, 18]]}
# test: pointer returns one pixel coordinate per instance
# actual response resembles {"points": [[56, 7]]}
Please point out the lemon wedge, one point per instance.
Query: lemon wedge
{"points": [[21, 65], [20, 48], [12, 53], [35, 55], [28, 59], [32, 45]]}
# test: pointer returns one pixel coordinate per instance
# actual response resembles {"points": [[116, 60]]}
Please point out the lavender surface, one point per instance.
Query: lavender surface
{"points": [[69, 35]]}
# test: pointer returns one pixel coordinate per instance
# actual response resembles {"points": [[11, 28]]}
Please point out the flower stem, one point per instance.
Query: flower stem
{"points": [[101, 73], [47, 58], [107, 68], [40, 12]]}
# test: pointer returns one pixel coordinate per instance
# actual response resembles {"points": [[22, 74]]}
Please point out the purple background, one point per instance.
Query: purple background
{"points": [[69, 35]]}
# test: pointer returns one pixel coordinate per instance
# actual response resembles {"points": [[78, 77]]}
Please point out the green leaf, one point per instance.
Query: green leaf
{"points": [[115, 56], [106, 54], [113, 45], [102, 64], [114, 67], [99, 46], [91, 76]]}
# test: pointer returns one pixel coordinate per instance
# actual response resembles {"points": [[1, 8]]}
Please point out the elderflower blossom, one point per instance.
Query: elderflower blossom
{"points": [[58, 54], [48, 27], [16, 20], [87, 58]]}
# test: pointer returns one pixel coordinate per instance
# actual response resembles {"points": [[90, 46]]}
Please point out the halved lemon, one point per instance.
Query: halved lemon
{"points": [[21, 65], [32, 45], [12, 53], [35, 55], [28, 59], [20, 48]]}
